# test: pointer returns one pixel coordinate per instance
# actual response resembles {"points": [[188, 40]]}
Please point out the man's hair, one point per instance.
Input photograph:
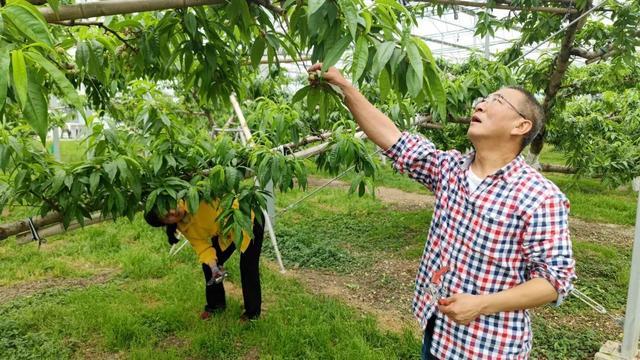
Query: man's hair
{"points": [[534, 112]]}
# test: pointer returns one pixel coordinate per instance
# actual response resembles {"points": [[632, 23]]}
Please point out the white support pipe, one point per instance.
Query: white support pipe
{"points": [[55, 132], [247, 139], [629, 348]]}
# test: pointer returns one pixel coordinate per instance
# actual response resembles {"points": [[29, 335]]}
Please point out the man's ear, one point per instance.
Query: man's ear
{"points": [[522, 127]]}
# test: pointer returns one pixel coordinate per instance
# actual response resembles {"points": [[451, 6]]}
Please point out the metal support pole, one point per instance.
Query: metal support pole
{"points": [[629, 347], [487, 47], [56, 142]]}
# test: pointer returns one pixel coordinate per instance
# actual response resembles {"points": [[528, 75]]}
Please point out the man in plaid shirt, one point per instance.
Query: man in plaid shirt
{"points": [[499, 239]]}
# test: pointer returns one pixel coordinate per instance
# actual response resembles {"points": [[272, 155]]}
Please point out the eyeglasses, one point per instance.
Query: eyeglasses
{"points": [[500, 99]]}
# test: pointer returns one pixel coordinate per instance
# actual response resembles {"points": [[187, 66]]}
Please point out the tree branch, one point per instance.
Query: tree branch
{"points": [[98, 24], [552, 10], [118, 7], [268, 5], [587, 54], [602, 54], [558, 70]]}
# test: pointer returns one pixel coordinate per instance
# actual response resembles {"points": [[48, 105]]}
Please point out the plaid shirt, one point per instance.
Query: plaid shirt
{"points": [[511, 229]]}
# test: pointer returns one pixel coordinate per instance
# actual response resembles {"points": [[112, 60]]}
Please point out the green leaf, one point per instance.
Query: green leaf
{"points": [[324, 108], [360, 58], [122, 167], [36, 109], [414, 83], [437, 90], [415, 60], [424, 50], [68, 91], [313, 99], [335, 52], [232, 177], [193, 200], [314, 5], [119, 201], [257, 51], [5, 61], [368, 21], [191, 23], [112, 169], [383, 54], [94, 180], [82, 55], [350, 13], [300, 94], [28, 21], [20, 81], [151, 200], [58, 180], [156, 162], [68, 181], [384, 83], [354, 185], [1, 24]]}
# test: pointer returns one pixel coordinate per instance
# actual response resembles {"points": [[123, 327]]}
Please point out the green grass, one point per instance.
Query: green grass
{"points": [[150, 308], [344, 233], [386, 176], [592, 201], [70, 150], [550, 156]]}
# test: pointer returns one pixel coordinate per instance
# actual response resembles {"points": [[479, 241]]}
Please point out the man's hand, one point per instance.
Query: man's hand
{"points": [[463, 308], [332, 76]]}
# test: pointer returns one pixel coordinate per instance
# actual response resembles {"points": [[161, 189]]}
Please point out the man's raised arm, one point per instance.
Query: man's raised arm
{"points": [[378, 127]]}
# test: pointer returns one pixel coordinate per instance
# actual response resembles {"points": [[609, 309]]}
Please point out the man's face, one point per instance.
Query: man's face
{"points": [[499, 118], [174, 216]]}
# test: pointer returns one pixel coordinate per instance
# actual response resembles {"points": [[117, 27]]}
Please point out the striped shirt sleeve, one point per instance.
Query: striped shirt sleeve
{"points": [[418, 158], [547, 245]]}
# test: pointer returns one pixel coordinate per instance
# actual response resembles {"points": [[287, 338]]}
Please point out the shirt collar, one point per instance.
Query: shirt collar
{"points": [[506, 173]]}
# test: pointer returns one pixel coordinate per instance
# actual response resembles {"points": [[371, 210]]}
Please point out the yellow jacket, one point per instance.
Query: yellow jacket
{"points": [[201, 227]]}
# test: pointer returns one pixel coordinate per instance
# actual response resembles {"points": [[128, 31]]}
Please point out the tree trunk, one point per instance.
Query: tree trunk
{"points": [[56, 229], [23, 226], [557, 169], [555, 80]]}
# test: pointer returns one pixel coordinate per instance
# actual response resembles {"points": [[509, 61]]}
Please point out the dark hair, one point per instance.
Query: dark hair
{"points": [[534, 112], [154, 220]]}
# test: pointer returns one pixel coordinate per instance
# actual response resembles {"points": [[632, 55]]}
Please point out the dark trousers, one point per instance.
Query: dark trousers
{"points": [[428, 339], [249, 275]]}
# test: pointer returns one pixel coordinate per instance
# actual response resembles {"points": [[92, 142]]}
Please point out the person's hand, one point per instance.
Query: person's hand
{"points": [[214, 267], [332, 76], [217, 272], [463, 308]]}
